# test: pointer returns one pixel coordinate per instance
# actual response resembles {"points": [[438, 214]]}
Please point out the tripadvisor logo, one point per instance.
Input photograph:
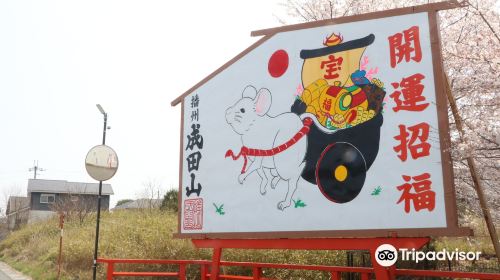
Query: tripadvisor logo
{"points": [[387, 255], [442, 255]]}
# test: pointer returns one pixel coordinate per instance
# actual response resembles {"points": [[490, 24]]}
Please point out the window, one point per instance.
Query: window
{"points": [[47, 198], [74, 198]]}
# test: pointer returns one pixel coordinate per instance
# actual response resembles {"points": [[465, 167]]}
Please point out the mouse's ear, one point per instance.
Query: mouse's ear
{"points": [[263, 101], [249, 92]]}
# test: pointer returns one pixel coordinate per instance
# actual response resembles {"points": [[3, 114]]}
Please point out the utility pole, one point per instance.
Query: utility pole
{"points": [[35, 168]]}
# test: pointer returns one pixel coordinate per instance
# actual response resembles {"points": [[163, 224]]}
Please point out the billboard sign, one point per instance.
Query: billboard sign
{"points": [[322, 130]]}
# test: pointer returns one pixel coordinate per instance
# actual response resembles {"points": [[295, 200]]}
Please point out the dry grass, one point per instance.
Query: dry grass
{"points": [[128, 234], [122, 235]]}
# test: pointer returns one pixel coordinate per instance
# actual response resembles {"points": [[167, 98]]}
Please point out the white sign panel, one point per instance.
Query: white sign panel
{"points": [[324, 129]]}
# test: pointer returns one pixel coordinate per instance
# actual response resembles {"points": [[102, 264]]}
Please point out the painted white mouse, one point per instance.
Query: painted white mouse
{"points": [[249, 118]]}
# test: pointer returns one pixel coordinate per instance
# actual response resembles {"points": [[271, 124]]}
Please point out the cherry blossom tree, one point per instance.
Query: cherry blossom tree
{"points": [[470, 41]]}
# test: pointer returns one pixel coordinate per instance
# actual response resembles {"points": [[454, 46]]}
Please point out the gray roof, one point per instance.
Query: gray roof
{"points": [[140, 204], [17, 203], [63, 186]]}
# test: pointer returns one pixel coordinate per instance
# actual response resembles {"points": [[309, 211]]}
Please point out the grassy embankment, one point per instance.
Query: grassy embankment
{"points": [[148, 235], [128, 234]]}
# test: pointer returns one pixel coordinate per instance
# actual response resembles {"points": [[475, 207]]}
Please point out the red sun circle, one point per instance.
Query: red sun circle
{"points": [[278, 63]]}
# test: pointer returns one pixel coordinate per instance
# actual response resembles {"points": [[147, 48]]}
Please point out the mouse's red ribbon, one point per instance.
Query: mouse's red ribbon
{"points": [[245, 151]]}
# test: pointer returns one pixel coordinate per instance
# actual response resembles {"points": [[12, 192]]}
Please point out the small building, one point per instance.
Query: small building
{"points": [[142, 203], [46, 197]]}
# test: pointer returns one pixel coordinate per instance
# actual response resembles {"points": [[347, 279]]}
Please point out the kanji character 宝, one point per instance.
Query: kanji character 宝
{"points": [[195, 100], [419, 192], [332, 65], [407, 48], [194, 115], [417, 144], [195, 138], [193, 161], [193, 189], [411, 91]]}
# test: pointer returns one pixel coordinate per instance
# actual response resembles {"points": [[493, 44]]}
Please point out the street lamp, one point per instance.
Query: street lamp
{"points": [[94, 267], [101, 163], [101, 109]]}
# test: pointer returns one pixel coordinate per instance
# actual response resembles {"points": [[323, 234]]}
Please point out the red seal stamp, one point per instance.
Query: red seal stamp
{"points": [[193, 214]]}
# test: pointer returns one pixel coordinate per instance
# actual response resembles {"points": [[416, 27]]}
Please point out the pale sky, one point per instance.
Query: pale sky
{"points": [[58, 59]]}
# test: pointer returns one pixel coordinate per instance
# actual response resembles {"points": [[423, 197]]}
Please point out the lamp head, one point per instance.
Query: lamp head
{"points": [[101, 109]]}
